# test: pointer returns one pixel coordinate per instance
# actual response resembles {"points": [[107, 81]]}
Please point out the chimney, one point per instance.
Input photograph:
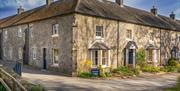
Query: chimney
{"points": [[172, 16], [20, 10], [120, 2], [154, 10], [48, 2]]}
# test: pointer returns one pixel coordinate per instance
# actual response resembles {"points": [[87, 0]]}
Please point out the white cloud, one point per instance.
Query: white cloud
{"points": [[177, 12]]}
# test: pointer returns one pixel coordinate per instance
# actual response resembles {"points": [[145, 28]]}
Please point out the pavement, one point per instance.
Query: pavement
{"points": [[55, 82]]}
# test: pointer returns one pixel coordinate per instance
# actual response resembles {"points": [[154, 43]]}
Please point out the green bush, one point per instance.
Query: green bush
{"points": [[172, 62], [37, 88], [169, 69], [136, 71], [85, 75], [141, 57], [108, 74], [152, 69], [178, 68], [125, 71]]}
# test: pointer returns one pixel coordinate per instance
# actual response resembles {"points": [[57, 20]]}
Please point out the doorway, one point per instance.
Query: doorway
{"points": [[130, 54], [44, 58], [131, 58]]}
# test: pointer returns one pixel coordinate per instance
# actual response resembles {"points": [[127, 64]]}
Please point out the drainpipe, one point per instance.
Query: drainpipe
{"points": [[160, 48], [118, 44]]}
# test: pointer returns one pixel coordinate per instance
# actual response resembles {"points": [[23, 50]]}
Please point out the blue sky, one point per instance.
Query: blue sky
{"points": [[165, 7]]}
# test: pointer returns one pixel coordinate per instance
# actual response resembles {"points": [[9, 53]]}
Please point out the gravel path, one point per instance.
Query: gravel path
{"points": [[54, 82]]}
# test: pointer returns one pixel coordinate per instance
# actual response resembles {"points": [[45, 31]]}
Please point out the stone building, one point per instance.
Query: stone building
{"points": [[62, 35]]}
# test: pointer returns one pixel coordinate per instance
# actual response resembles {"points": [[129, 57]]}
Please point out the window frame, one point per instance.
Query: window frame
{"points": [[55, 30], [6, 35], [20, 53], [129, 36], [34, 53], [20, 32], [99, 32], [30, 30], [53, 56], [98, 58]]}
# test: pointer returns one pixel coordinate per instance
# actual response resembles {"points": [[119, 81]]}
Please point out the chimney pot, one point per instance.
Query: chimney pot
{"points": [[172, 16], [48, 2], [120, 2], [154, 10], [20, 10]]}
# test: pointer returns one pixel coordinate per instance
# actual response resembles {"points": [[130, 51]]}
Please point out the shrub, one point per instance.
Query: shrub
{"points": [[37, 88], [85, 65], [172, 62], [169, 69], [103, 73], [152, 69], [108, 74], [85, 75], [136, 71], [141, 57], [178, 68], [125, 71]]}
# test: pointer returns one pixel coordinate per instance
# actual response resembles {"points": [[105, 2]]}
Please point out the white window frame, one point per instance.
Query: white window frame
{"points": [[100, 30], [5, 35], [4, 52], [55, 30], [20, 53], [100, 58], [53, 59], [31, 30], [34, 53], [10, 52], [20, 32], [127, 37]]}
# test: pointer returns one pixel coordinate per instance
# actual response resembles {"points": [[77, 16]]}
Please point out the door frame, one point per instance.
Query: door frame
{"points": [[127, 57]]}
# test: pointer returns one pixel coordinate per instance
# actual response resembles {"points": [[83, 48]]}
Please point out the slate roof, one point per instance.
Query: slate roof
{"points": [[99, 46], [98, 8], [130, 44], [152, 47]]}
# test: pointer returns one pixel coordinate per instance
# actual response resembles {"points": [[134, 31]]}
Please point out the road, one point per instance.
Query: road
{"points": [[54, 82]]}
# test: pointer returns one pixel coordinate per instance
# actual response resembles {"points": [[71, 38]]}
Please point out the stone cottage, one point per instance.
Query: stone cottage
{"points": [[62, 35]]}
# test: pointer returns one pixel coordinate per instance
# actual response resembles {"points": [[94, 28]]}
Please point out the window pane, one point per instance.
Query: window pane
{"points": [[104, 58], [96, 58], [55, 29], [129, 34], [99, 31]]}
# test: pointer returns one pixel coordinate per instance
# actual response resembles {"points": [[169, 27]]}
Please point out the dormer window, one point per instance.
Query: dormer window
{"points": [[55, 31], [99, 32]]}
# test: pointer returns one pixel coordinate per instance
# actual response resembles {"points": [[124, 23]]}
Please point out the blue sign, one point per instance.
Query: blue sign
{"points": [[95, 72]]}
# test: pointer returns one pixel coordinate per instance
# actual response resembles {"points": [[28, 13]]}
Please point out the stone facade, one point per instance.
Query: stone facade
{"points": [[62, 36], [115, 38], [39, 36], [77, 33]]}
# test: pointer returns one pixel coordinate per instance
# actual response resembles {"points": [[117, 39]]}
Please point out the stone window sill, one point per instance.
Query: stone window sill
{"points": [[55, 35]]}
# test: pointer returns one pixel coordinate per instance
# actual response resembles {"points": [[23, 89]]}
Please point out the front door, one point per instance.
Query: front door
{"points": [[131, 57], [44, 59]]}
